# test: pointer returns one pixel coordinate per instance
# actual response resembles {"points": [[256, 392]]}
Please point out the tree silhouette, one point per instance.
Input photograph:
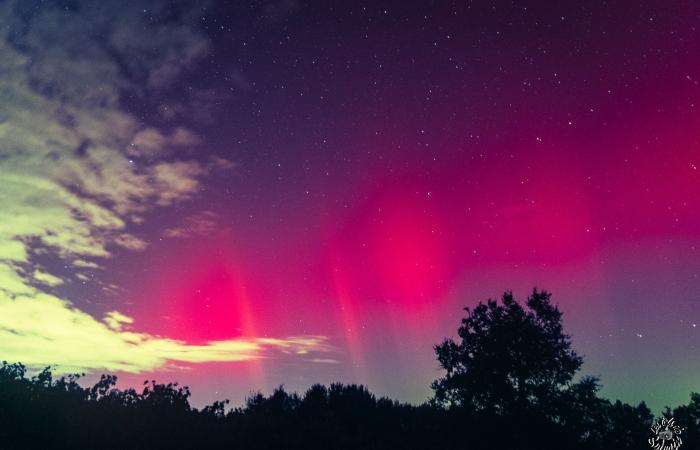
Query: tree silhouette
{"points": [[509, 359], [688, 416]]}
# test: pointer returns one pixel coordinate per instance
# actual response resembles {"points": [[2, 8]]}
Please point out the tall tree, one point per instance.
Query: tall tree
{"points": [[508, 359]]}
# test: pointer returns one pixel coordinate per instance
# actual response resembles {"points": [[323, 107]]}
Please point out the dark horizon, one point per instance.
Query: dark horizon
{"points": [[509, 382]]}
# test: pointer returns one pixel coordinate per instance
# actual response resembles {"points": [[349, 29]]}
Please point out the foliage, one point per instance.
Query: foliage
{"points": [[509, 359]]}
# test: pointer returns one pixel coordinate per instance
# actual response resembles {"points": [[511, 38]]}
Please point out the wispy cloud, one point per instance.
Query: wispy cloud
{"points": [[199, 224], [76, 170]]}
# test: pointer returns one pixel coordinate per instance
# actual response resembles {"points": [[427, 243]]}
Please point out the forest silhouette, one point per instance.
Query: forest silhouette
{"points": [[510, 381]]}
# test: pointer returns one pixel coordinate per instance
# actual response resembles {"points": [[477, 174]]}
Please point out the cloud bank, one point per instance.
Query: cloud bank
{"points": [[77, 169], [40, 329]]}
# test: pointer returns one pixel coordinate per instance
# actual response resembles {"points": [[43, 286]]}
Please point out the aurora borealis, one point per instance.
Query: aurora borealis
{"points": [[239, 195]]}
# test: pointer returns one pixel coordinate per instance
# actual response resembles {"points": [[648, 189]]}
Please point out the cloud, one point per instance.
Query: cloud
{"points": [[85, 264], [77, 170], [147, 142], [182, 137], [116, 320], [47, 278], [151, 142], [130, 242], [200, 224], [40, 329]]}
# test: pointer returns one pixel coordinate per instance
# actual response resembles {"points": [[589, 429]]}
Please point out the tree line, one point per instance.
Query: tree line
{"points": [[511, 381]]}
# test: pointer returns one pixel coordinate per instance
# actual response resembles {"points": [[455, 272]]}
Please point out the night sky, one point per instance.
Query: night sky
{"points": [[238, 195]]}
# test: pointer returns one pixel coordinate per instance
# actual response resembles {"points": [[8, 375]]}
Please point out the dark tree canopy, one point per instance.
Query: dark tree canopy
{"points": [[509, 358]]}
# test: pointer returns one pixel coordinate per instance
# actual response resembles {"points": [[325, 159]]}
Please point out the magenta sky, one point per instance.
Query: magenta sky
{"points": [[359, 174]]}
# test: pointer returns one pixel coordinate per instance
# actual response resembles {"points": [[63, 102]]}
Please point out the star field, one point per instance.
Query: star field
{"points": [[343, 178]]}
